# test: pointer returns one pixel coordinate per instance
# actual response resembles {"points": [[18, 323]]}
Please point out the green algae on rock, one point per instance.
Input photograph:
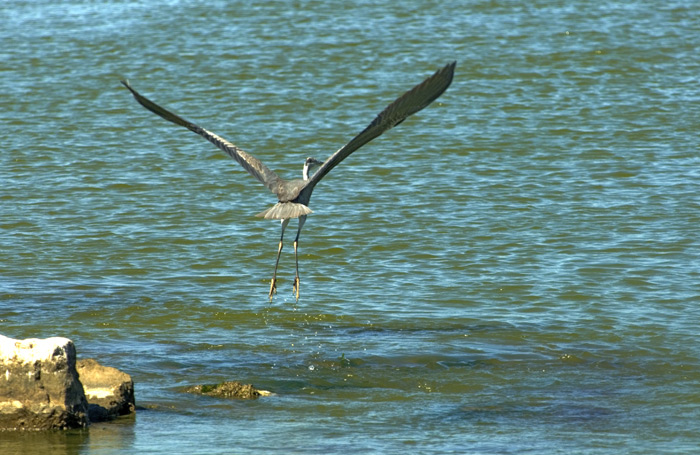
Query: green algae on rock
{"points": [[228, 389]]}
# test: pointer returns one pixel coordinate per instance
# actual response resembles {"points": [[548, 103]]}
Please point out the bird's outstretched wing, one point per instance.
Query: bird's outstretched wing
{"points": [[251, 164], [407, 104]]}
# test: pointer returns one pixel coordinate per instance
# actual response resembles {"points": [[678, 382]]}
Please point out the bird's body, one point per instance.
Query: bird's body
{"points": [[294, 195]]}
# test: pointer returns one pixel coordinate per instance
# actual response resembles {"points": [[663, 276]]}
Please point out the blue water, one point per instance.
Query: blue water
{"points": [[513, 270]]}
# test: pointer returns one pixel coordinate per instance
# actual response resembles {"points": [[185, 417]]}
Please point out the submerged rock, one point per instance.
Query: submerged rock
{"points": [[110, 392], [228, 389], [39, 385]]}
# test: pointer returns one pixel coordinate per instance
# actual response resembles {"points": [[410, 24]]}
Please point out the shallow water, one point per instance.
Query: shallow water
{"points": [[513, 270]]}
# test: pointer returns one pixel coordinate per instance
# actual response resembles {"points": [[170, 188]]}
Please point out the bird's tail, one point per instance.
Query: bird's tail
{"points": [[285, 210]]}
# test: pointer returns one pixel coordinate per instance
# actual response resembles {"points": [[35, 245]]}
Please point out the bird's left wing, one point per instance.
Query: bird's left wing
{"points": [[407, 104], [251, 164]]}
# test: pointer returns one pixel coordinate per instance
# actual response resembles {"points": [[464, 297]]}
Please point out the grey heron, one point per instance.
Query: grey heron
{"points": [[294, 195]]}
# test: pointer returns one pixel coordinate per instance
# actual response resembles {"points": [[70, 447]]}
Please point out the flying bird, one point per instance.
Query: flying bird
{"points": [[294, 195]]}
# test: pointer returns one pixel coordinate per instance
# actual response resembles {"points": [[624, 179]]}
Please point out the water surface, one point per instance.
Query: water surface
{"points": [[513, 270]]}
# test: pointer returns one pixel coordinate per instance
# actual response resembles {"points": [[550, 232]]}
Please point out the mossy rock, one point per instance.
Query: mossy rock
{"points": [[228, 389]]}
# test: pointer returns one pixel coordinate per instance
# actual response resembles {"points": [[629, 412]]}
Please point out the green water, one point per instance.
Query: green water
{"points": [[513, 270]]}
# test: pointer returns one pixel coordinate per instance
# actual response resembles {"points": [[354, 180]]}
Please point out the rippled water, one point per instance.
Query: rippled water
{"points": [[513, 270]]}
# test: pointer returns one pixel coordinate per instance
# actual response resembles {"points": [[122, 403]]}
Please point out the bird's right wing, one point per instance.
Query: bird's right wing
{"points": [[251, 164], [407, 104]]}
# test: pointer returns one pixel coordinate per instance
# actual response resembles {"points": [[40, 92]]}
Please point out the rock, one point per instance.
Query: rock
{"points": [[110, 392], [39, 385], [229, 389]]}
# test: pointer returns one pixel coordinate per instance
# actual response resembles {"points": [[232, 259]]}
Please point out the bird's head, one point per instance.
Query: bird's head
{"points": [[309, 166]]}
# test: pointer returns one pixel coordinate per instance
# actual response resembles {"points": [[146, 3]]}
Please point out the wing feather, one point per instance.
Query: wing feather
{"points": [[407, 104], [251, 164]]}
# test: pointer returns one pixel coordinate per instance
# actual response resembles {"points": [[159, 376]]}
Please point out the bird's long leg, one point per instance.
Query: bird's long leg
{"points": [[273, 282], [295, 289]]}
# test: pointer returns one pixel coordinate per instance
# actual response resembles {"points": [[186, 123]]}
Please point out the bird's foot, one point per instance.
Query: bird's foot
{"points": [[295, 288], [273, 287]]}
